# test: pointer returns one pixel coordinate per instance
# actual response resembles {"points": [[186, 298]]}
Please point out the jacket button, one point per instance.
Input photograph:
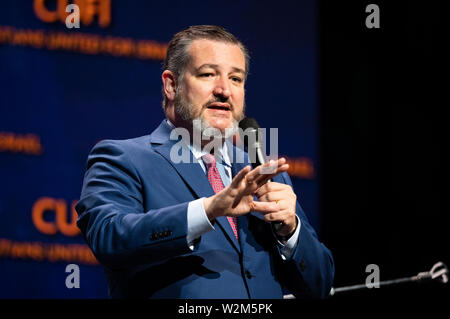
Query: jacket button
{"points": [[302, 265], [248, 274]]}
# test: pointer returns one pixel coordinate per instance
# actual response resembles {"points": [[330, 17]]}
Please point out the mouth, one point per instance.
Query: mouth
{"points": [[219, 106]]}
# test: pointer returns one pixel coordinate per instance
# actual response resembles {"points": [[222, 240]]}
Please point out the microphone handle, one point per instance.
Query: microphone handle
{"points": [[261, 159]]}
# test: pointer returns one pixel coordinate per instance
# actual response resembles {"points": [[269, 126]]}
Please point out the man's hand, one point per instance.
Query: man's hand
{"points": [[284, 197], [237, 199]]}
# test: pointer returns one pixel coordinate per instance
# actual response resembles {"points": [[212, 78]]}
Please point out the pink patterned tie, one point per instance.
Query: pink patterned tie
{"points": [[216, 182]]}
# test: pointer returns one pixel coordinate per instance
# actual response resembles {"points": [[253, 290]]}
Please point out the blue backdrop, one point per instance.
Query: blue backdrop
{"points": [[62, 90]]}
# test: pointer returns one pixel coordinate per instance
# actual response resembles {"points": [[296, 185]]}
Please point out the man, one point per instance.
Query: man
{"points": [[200, 228]]}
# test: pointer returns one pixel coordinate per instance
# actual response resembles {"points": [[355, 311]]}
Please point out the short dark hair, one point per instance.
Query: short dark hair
{"points": [[177, 56]]}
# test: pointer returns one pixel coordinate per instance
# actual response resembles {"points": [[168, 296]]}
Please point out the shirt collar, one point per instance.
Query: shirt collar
{"points": [[198, 152]]}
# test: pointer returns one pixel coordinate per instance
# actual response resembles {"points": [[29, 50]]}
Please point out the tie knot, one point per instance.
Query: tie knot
{"points": [[209, 160]]}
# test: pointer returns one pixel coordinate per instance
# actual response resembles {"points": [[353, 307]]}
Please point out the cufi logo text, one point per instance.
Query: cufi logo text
{"points": [[61, 223]]}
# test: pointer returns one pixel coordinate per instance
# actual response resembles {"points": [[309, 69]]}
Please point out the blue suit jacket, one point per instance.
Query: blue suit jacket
{"points": [[133, 215]]}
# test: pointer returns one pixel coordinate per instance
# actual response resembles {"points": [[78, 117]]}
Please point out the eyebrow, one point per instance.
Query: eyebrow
{"points": [[216, 66]]}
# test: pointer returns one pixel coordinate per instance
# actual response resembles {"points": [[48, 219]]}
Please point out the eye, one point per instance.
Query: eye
{"points": [[206, 75], [236, 79]]}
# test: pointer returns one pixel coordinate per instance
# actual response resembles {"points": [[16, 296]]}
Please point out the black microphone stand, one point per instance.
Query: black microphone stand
{"points": [[438, 272]]}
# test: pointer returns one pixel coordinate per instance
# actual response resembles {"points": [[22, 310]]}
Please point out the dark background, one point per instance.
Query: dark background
{"points": [[382, 140]]}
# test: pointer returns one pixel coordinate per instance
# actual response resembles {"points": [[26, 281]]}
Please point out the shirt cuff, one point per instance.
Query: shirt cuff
{"points": [[287, 250], [197, 222]]}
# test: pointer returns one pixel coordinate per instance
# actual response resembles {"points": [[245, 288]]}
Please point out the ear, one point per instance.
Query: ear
{"points": [[169, 84]]}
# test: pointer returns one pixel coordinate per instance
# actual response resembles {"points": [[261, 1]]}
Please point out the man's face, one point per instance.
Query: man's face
{"points": [[212, 88]]}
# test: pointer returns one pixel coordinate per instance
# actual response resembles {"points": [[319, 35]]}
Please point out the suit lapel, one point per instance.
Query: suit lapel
{"points": [[191, 173]]}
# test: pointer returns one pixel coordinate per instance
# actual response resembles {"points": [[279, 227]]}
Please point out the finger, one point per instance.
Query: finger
{"points": [[250, 177], [250, 186], [280, 216], [272, 187], [265, 173], [263, 178], [265, 207], [257, 171], [271, 166], [240, 176], [276, 197]]}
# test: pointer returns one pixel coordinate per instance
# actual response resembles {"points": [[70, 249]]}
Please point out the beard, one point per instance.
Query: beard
{"points": [[207, 131], [186, 110]]}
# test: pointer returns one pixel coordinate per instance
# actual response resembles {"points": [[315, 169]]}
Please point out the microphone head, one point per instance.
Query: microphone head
{"points": [[248, 122], [249, 126]]}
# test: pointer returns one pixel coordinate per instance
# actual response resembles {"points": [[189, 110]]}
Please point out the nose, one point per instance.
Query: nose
{"points": [[222, 88]]}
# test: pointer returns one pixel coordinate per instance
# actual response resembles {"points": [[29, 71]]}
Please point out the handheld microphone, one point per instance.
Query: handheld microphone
{"points": [[252, 143]]}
